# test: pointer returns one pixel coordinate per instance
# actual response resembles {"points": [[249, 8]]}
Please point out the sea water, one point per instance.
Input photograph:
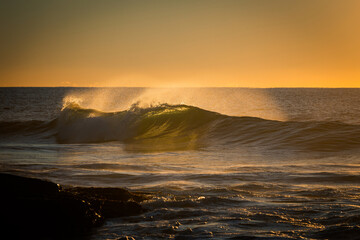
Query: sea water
{"points": [[222, 163]]}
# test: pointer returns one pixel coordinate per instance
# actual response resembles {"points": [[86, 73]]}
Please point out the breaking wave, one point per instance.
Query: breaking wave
{"points": [[186, 127]]}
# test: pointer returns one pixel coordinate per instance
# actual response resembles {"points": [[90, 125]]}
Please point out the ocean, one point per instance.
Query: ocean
{"points": [[221, 163]]}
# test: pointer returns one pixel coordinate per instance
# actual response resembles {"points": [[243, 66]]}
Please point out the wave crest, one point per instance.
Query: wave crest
{"points": [[178, 123]]}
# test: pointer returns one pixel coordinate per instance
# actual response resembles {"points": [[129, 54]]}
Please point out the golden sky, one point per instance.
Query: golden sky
{"points": [[210, 43]]}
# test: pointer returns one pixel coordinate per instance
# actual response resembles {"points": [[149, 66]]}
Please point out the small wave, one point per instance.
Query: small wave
{"points": [[167, 127], [327, 177], [192, 202]]}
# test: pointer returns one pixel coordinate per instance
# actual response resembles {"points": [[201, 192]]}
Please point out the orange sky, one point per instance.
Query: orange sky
{"points": [[254, 43]]}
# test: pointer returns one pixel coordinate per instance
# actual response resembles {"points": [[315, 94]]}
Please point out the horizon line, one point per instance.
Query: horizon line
{"points": [[166, 87]]}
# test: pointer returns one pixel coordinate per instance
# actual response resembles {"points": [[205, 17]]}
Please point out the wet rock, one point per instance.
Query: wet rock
{"points": [[111, 202], [111, 209], [116, 194], [17, 186], [33, 207]]}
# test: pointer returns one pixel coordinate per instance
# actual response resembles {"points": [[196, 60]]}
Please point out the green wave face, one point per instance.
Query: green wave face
{"points": [[171, 127], [155, 128]]}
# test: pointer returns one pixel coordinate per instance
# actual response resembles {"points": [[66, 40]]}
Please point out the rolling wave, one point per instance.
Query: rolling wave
{"points": [[186, 127]]}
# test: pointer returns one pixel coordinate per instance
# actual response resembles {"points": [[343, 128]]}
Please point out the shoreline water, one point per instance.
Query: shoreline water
{"points": [[39, 209]]}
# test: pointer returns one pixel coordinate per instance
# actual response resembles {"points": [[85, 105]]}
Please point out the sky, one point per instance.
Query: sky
{"points": [[195, 43]]}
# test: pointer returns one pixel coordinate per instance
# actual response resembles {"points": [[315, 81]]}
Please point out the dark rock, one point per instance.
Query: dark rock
{"points": [[36, 208], [33, 207], [111, 209], [17, 186], [116, 194], [111, 202]]}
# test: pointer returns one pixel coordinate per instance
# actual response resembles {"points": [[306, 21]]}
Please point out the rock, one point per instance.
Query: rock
{"points": [[111, 202], [111, 209], [17, 186], [37, 208], [33, 207], [116, 194]]}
